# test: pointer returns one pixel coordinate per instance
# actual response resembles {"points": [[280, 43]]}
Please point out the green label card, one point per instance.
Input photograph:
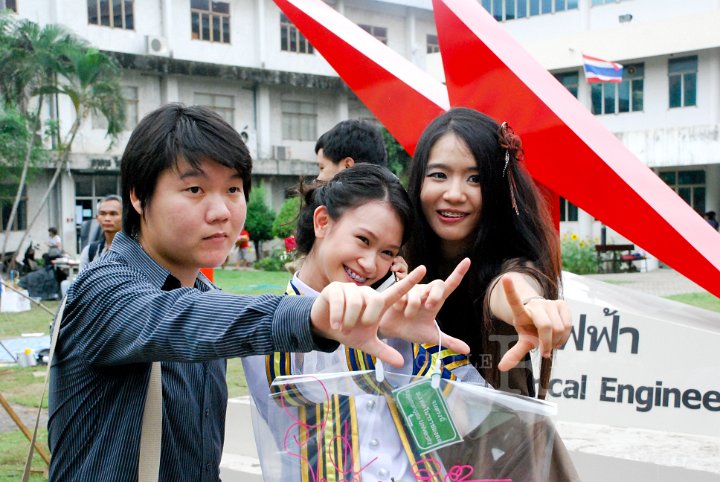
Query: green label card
{"points": [[426, 416]]}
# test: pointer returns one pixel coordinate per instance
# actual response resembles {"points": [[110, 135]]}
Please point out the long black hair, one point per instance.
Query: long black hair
{"points": [[349, 189], [515, 230]]}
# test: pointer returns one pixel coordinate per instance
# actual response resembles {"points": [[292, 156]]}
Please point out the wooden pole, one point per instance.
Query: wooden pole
{"points": [[23, 428]]}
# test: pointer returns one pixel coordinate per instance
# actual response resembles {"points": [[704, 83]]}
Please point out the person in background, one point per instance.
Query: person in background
{"points": [[243, 245], [710, 218], [348, 143], [54, 244], [109, 217]]}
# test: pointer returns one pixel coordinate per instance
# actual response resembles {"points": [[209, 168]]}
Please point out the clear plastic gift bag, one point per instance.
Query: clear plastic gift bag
{"points": [[365, 426]]}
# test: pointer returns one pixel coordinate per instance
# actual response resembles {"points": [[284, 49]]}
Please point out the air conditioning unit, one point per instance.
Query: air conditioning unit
{"points": [[281, 153], [157, 46]]}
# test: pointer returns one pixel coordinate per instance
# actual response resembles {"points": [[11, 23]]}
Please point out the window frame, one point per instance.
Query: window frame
{"points": [[568, 211], [291, 39], [224, 111], [127, 20], [380, 33], [569, 80], [432, 44], [292, 112], [685, 77], [610, 92], [6, 202], [687, 190], [218, 21], [504, 10]]}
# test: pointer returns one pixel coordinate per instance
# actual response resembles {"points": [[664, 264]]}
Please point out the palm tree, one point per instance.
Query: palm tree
{"points": [[90, 79], [29, 57], [36, 62]]}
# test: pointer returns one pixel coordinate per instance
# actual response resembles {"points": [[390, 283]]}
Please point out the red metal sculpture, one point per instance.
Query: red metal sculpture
{"points": [[567, 149]]}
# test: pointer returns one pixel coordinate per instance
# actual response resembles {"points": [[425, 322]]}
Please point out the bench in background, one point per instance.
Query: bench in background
{"points": [[614, 258]]}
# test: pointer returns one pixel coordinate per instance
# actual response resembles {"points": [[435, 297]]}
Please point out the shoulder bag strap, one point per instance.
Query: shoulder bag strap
{"points": [[151, 435]]}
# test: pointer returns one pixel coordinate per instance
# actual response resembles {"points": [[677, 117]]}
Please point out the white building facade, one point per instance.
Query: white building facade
{"points": [[244, 59]]}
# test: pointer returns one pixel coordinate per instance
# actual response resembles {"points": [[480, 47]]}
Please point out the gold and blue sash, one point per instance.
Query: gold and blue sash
{"points": [[324, 449]]}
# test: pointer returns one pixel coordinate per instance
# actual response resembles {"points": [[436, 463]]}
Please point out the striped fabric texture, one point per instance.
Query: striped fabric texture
{"points": [[124, 312]]}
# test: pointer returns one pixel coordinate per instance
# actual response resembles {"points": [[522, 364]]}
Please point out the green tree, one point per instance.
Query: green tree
{"points": [[90, 79], [398, 158], [29, 58], [286, 219], [259, 220]]}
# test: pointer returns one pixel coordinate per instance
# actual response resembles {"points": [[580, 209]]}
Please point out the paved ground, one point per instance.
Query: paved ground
{"points": [[27, 415], [659, 282]]}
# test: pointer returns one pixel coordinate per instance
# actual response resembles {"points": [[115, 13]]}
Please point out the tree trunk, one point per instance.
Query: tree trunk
{"points": [[62, 161], [258, 249], [21, 185]]}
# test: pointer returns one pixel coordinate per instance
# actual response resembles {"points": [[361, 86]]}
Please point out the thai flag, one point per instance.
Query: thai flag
{"points": [[599, 70]]}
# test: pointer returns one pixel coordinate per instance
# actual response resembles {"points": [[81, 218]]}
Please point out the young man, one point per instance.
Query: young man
{"points": [[109, 217], [349, 142], [185, 178]]}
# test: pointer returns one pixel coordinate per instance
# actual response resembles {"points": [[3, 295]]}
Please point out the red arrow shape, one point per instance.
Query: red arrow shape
{"points": [[567, 148]]}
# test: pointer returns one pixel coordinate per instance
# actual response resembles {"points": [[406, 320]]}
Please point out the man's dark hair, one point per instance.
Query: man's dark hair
{"points": [[353, 138], [167, 135]]}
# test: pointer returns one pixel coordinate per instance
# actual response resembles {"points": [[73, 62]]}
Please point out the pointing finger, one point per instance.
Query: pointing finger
{"points": [[518, 310], [396, 291]]}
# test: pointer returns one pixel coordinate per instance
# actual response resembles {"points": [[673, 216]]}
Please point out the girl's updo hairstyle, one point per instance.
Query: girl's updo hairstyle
{"points": [[350, 188]]}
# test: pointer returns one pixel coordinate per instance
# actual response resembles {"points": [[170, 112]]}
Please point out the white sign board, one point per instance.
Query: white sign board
{"points": [[637, 360]]}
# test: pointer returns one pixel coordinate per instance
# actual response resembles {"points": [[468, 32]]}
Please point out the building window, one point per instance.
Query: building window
{"points": [[568, 211], [299, 120], [291, 40], [433, 45], [111, 13], [690, 185], [130, 96], [379, 33], [210, 21], [7, 198], [626, 96], [570, 81], [11, 5], [682, 76], [224, 105], [512, 9]]}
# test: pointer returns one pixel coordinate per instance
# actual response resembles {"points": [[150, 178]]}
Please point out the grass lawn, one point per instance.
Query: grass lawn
{"points": [[13, 452], [701, 300]]}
